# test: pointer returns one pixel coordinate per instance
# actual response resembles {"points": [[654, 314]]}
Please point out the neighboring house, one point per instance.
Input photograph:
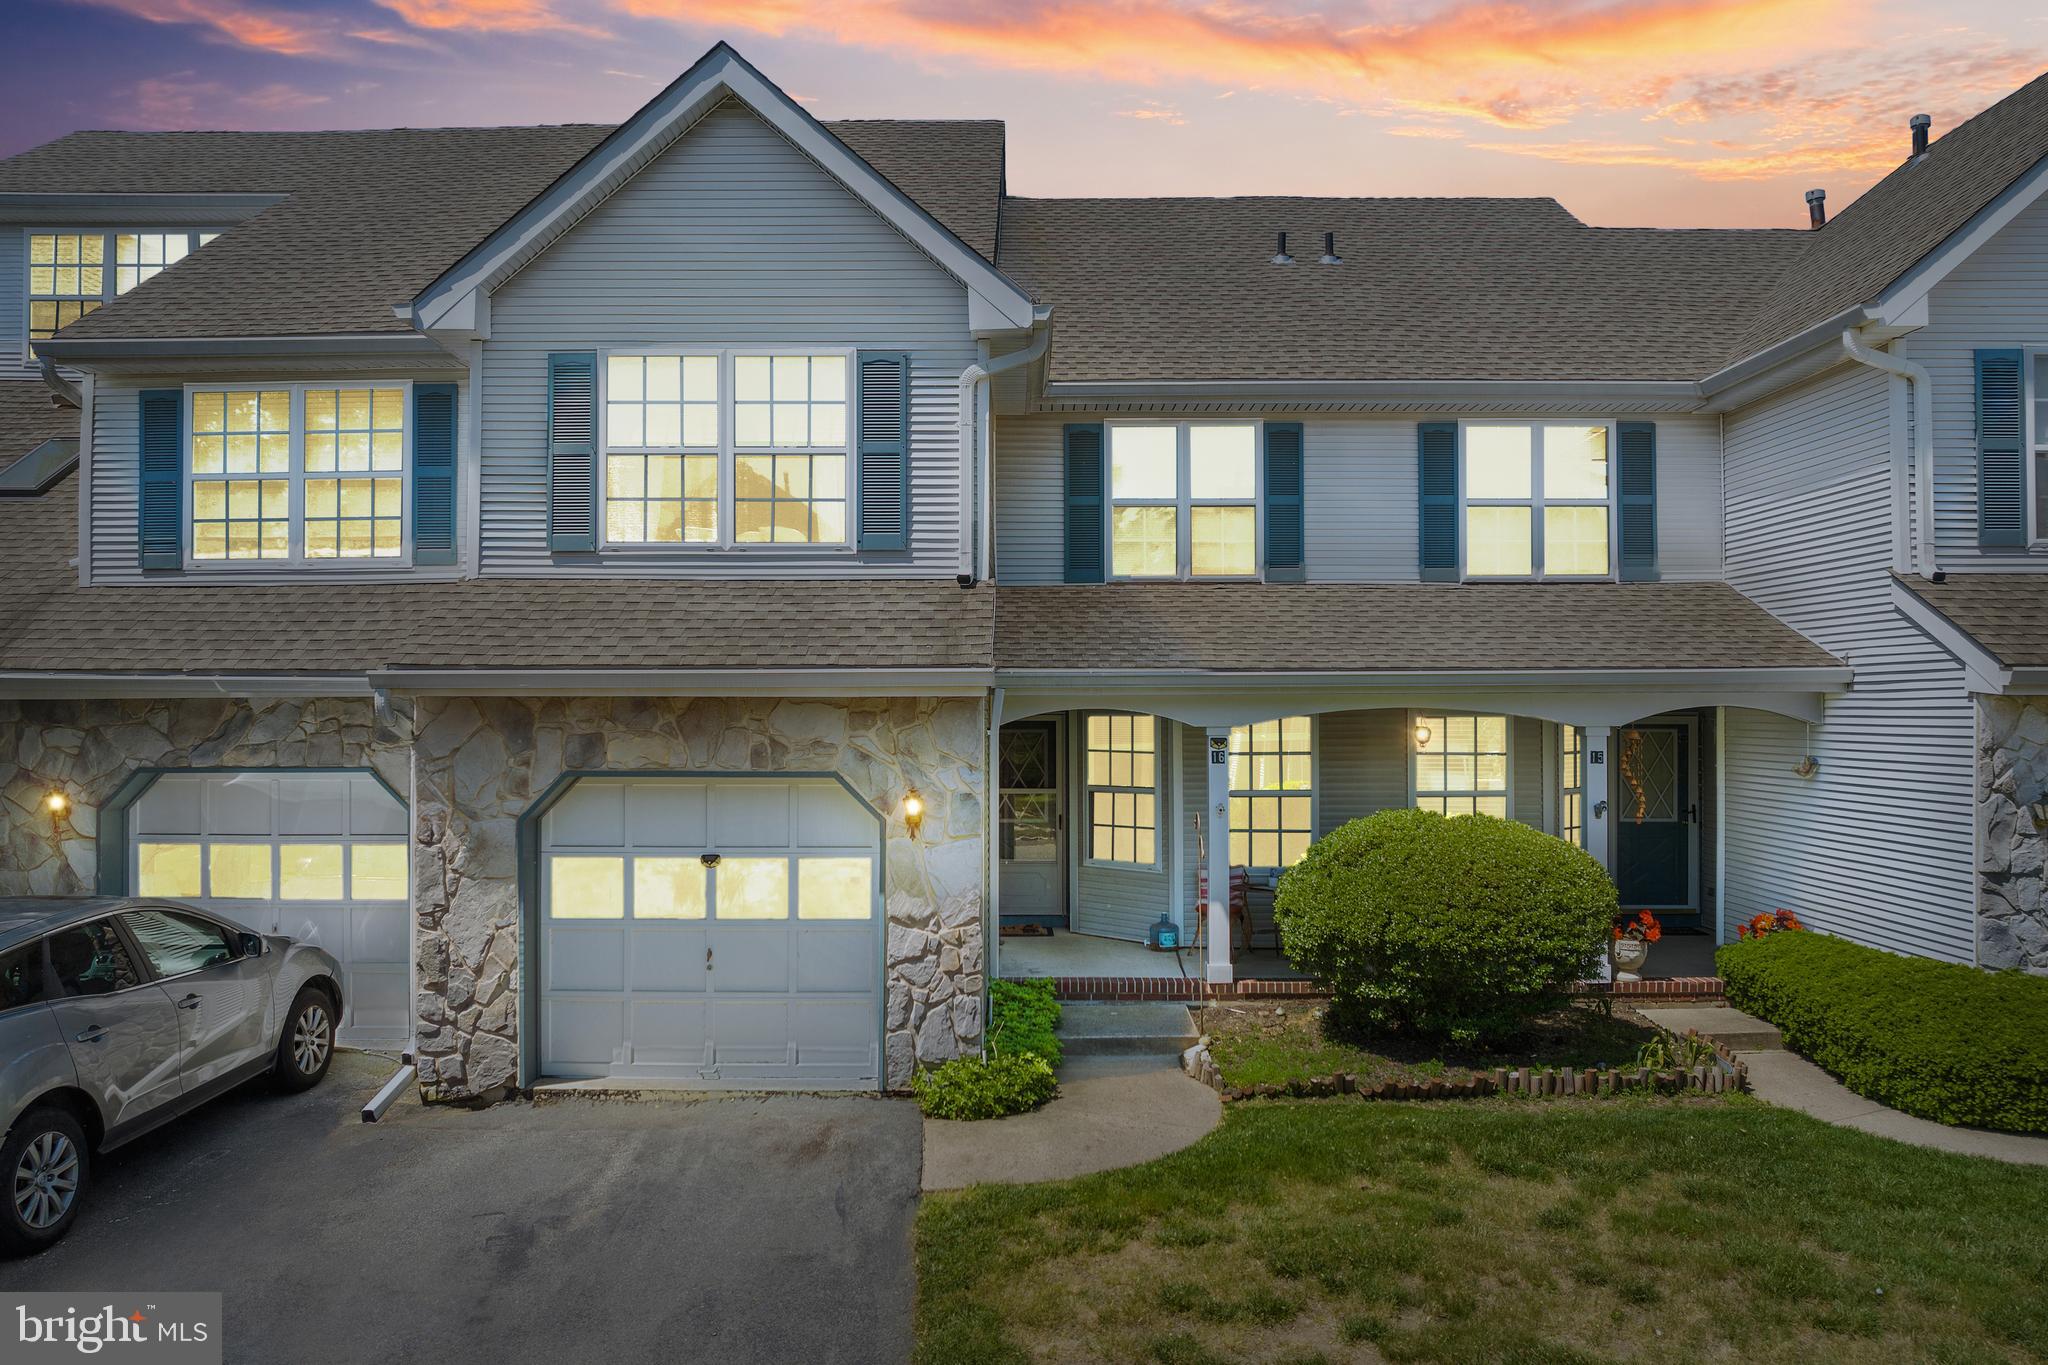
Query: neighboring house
{"points": [[651, 599]]}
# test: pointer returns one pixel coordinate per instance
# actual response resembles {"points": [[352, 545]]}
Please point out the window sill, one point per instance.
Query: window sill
{"points": [[1122, 867], [709, 551], [203, 568]]}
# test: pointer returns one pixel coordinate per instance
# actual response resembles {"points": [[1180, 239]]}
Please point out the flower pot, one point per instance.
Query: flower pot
{"points": [[1629, 956]]}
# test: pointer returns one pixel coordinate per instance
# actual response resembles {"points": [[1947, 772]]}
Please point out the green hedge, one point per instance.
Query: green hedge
{"points": [[1937, 1039], [1023, 1017], [971, 1088]]}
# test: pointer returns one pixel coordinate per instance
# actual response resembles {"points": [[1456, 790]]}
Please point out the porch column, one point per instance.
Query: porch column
{"points": [[1217, 904], [1599, 812]]}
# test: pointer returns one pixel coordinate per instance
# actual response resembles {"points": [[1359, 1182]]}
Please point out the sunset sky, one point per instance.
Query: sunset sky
{"points": [[1654, 112]]}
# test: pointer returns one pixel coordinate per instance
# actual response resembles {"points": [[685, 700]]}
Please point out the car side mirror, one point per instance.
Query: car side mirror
{"points": [[254, 946]]}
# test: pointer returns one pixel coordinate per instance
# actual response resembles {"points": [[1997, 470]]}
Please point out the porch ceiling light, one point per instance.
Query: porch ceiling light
{"points": [[913, 812], [1421, 736]]}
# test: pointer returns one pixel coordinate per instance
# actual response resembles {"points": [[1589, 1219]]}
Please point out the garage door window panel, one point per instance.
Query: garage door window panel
{"points": [[753, 888], [835, 888], [669, 888], [586, 887]]}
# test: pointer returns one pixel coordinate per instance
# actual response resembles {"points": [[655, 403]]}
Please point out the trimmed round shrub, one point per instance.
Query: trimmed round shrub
{"points": [[1941, 1040], [1459, 929], [973, 1088]]}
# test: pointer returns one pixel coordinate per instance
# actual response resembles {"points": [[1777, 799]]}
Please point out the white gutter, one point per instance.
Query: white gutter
{"points": [[976, 490], [1923, 436]]}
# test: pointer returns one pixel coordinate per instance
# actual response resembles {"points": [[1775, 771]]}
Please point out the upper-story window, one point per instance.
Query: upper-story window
{"points": [[287, 473], [726, 448], [1537, 500], [71, 273], [1184, 500]]}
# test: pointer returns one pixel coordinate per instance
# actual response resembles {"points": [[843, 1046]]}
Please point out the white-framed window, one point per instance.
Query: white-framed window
{"points": [[2037, 445], [1459, 763], [1120, 757], [1538, 499], [1184, 499], [730, 447], [72, 271], [1571, 779], [1272, 792], [298, 473]]}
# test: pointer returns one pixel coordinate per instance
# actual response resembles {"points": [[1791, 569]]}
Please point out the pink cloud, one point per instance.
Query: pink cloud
{"points": [[271, 30], [487, 16]]}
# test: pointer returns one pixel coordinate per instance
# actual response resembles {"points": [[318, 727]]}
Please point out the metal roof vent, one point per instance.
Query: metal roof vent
{"points": [[1330, 256], [1920, 124], [1816, 208], [1281, 257]]}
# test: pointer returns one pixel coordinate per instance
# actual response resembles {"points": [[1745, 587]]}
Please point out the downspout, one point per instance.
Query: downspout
{"points": [[1923, 436], [57, 383], [978, 495]]}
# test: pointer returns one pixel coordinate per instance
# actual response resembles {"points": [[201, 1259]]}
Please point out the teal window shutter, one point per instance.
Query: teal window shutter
{"points": [[160, 506], [1084, 475], [433, 473], [1637, 475], [1286, 538], [572, 450], [2001, 465], [1436, 478], [883, 395]]}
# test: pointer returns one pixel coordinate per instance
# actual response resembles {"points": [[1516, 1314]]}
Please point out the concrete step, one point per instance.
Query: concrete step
{"points": [[1731, 1028], [1102, 1029]]}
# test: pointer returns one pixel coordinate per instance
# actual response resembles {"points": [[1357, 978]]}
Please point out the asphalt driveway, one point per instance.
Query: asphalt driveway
{"points": [[701, 1230]]}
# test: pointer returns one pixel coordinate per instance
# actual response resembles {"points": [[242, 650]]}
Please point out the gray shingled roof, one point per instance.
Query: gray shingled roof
{"points": [[1439, 289], [49, 623], [2006, 613], [28, 417], [1904, 216], [1341, 627], [373, 217]]}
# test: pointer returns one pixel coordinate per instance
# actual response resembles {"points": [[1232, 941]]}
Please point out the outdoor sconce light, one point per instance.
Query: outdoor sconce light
{"points": [[913, 812], [1422, 736], [58, 804]]}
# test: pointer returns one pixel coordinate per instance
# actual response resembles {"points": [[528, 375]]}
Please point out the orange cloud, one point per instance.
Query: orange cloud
{"points": [[270, 30], [487, 16]]}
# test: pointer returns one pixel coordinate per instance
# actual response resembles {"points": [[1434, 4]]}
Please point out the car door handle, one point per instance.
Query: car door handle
{"points": [[95, 1034], [191, 1002]]}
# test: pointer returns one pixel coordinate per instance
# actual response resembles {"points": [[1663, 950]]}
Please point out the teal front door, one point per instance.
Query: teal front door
{"points": [[1656, 817]]}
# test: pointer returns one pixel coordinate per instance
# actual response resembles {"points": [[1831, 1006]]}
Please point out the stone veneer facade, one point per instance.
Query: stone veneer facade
{"points": [[2012, 830], [480, 763], [88, 749]]}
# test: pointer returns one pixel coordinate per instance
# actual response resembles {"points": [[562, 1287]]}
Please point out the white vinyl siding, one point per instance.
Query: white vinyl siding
{"points": [[1878, 844], [1998, 298], [730, 239], [1360, 499]]}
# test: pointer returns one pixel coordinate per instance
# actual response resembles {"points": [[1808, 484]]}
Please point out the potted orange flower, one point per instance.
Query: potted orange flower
{"points": [[1632, 940], [1777, 922]]}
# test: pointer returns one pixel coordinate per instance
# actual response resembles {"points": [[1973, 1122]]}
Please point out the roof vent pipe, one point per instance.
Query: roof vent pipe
{"points": [[1920, 123], [1816, 208], [1330, 256], [1281, 257]]}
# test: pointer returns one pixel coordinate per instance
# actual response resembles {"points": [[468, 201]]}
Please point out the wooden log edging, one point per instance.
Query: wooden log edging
{"points": [[1726, 1074]]}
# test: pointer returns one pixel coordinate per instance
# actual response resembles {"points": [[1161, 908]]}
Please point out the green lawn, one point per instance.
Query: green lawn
{"points": [[1496, 1230], [1265, 1043]]}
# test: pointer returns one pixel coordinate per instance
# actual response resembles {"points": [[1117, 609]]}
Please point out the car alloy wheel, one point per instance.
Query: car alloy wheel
{"points": [[46, 1180], [312, 1037]]}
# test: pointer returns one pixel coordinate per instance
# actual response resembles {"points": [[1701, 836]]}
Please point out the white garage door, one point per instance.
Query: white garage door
{"points": [[318, 856], [716, 932]]}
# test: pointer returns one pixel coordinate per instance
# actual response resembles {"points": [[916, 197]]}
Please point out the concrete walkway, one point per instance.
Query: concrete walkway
{"points": [[1111, 1112]]}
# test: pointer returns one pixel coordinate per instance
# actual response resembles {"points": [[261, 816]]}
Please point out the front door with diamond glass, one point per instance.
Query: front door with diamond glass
{"points": [[1656, 816], [1033, 865], [713, 931]]}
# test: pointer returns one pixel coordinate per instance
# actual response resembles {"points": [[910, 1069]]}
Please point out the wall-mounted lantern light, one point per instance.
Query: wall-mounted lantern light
{"points": [[1422, 733], [913, 812], [58, 805]]}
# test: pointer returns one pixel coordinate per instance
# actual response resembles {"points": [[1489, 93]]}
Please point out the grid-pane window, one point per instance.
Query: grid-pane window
{"points": [[1121, 757], [792, 410], [66, 279], [1572, 784], [1272, 778], [1184, 500], [661, 443], [241, 474], [359, 433], [1461, 764], [140, 256], [1536, 500]]}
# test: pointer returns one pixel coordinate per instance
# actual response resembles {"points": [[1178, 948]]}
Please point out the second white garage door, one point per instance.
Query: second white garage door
{"points": [[718, 932]]}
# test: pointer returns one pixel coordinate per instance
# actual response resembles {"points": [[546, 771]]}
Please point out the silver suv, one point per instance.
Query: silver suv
{"points": [[119, 1015]]}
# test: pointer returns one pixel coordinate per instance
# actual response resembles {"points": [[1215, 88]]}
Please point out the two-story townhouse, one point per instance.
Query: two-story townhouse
{"points": [[655, 599]]}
